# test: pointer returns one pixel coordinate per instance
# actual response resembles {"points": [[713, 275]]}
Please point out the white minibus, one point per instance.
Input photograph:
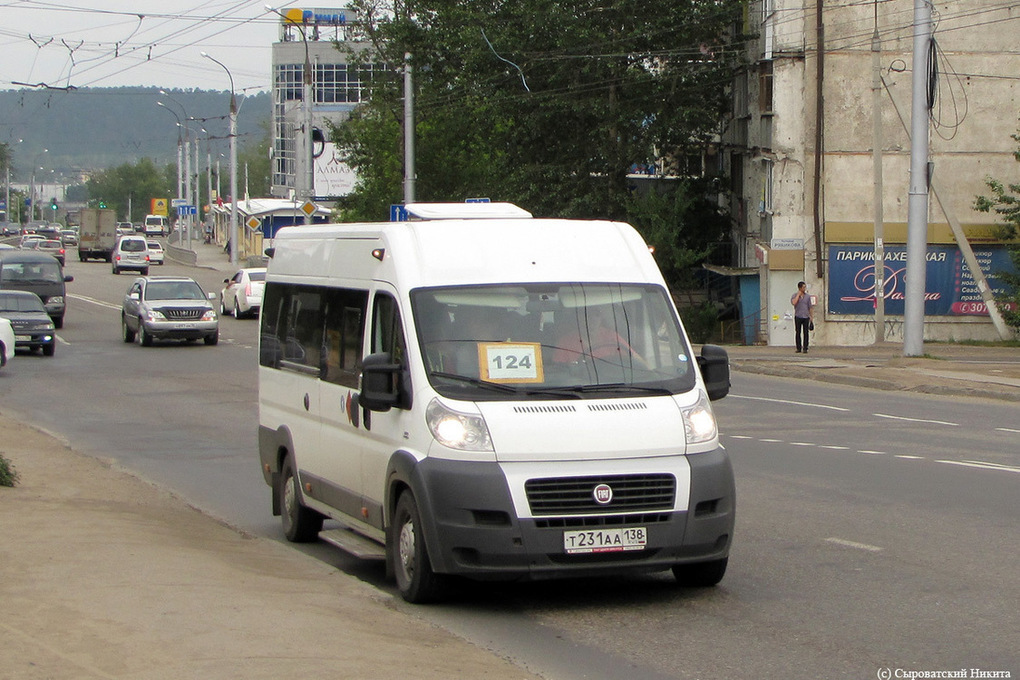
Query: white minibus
{"points": [[490, 397]]}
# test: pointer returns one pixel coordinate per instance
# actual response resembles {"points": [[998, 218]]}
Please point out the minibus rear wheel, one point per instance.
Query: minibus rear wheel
{"points": [[300, 524], [416, 581]]}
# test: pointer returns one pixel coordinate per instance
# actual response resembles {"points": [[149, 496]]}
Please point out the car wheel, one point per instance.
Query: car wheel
{"points": [[116, 271], [223, 307], [416, 581], [143, 337], [237, 310], [145, 272], [300, 524], [49, 349], [212, 339], [129, 335], [58, 322], [700, 574]]}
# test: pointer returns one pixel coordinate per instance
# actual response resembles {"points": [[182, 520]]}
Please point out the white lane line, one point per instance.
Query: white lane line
{"points": [[1007, 429], [854, 544], [980, 465], [906, 457], [873, 453], [915, 420], [771, 441], [792, 403], [802, 444], [834, 448], [740, 436], [101, 303]]}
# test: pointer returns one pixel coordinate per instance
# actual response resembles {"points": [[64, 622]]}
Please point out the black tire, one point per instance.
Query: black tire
{"points": [[144, 338], [49, 349], [212, 339], [129, 335], [58, 322], [300, 524], [237, 310], [116, 271], [223, 308], [145, 272], [700, 574], [416, 581]]}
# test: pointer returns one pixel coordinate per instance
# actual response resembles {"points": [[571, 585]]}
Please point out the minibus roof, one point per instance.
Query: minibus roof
{"points": [[461, 211]]}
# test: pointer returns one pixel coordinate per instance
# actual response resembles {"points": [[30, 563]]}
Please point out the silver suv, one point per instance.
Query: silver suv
{"points": [[168, 308]]}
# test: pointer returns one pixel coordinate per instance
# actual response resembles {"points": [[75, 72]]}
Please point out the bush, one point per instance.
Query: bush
{"points": [[8, 475]]}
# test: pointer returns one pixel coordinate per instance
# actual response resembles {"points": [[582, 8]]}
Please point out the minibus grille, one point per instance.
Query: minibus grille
{"points": [[183, 314], [576, 495]]}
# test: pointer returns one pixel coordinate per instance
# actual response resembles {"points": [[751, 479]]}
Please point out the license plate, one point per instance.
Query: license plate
{"points": [[604, 540], [22, 338]]}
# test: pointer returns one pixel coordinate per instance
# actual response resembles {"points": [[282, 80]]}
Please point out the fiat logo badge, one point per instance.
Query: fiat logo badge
{"points": [[603, 494]]}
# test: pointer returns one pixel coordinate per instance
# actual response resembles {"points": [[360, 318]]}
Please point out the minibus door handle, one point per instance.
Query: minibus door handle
{"points": [[306, 401]]}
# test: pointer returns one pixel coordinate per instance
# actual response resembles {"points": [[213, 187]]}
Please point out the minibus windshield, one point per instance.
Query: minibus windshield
{"points": [[552, 341]]}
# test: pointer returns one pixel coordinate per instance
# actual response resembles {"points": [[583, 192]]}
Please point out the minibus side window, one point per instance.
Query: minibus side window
{"points": [[271, 346], [343, 337]]}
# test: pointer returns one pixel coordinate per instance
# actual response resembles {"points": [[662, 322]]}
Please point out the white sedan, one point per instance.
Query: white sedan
{"points": [[6, 341], [156, 254], [242, 294]]}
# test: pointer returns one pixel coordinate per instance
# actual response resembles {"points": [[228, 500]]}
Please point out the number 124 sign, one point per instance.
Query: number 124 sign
{"points": [[507, 362]]}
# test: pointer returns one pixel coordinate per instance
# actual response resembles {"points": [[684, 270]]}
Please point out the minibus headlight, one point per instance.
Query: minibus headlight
{"points": [[699, 421], [456, 430]]}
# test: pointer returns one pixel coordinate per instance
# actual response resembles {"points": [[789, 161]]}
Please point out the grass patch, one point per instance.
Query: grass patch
{"points": [[8, 475]]}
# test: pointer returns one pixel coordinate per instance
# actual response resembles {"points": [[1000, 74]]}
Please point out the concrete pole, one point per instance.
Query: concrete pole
{"points": [[917, 207], [876, 115], [234, 243]]}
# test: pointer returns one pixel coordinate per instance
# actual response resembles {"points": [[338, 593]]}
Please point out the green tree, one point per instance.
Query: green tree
{"points": [[253, 161], [593, 88], [1005, 202], [136, 184]]}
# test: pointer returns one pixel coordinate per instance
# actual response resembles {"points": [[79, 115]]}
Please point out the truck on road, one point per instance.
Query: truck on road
{"points": [[98, 234]]}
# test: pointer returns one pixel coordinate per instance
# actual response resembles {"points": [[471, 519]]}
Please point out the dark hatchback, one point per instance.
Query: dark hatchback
{"points": [[32, 325]]}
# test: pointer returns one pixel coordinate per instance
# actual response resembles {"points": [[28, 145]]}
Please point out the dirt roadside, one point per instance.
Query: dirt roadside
{"points": [[103, 575]]}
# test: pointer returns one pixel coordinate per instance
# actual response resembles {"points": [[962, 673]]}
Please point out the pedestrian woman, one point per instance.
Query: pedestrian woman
{"points": [[803, 316]]}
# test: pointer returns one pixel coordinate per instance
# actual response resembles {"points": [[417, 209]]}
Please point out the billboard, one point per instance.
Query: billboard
{"points": [[333, 177], [950, 287]]}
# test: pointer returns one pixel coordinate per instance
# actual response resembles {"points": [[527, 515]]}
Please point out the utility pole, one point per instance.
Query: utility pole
{"points": [[876, 114], [409, 174], [917, 208]]}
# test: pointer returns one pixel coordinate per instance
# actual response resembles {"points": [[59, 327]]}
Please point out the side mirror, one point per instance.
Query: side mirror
{"points": [[714, 363], [134, 295], [211, 296], [68, 278], [380, 383]]}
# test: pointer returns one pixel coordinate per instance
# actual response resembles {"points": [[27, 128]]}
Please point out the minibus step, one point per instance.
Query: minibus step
{"points": [[355, 544]]}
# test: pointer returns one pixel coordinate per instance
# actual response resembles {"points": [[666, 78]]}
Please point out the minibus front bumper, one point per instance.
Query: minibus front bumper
{"points": [[473, 530]]}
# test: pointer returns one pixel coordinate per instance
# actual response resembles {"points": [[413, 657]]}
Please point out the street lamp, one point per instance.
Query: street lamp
{"points": [[308, 170], [179, 127], [233, 162], [31, 193], [187, 158]]}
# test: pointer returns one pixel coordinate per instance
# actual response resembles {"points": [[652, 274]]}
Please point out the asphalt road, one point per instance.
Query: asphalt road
{"points": [[875, 530]]}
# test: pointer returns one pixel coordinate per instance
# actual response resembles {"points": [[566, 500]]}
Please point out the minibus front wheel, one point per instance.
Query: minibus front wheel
{"points": [[416, 581], [300, 524]]}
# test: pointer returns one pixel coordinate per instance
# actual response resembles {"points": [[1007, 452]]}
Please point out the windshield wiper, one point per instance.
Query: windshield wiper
{"points": [[610, 387], [485, 384]]}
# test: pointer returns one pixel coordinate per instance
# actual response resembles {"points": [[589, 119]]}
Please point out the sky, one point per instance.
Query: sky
{"points": [[114, 43]]}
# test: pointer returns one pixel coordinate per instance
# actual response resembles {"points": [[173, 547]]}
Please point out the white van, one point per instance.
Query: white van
{"points": [[156, 225], [492, 398]]}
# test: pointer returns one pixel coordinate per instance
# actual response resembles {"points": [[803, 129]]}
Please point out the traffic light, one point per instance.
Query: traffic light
{"points": [[53, 204], [102, 204]]}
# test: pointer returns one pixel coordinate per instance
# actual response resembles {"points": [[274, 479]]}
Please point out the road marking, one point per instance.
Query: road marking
{"points": [[906, 457], [873, 453], [802, 444], [915, 420], [101, 303], [771, 441], [834, 448], [792, 403], [980, 465], [854, 544], [1007, 429], [740, 436]]}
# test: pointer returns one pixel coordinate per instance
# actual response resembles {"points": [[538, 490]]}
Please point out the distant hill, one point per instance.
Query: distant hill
{"points": [[96, 128]]}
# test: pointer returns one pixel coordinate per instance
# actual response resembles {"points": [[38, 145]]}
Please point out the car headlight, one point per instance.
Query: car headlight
{"points": [[699, 421], [155, 315], [209, 315], [56, 299], [456, 430]]}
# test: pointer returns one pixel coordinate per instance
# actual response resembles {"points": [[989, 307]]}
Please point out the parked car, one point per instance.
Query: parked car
{"points": [[6, 341], [69, 237], [33, 327], [242, 296], [168, 308], [49, 246], [131, 253], [156, 254]]}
